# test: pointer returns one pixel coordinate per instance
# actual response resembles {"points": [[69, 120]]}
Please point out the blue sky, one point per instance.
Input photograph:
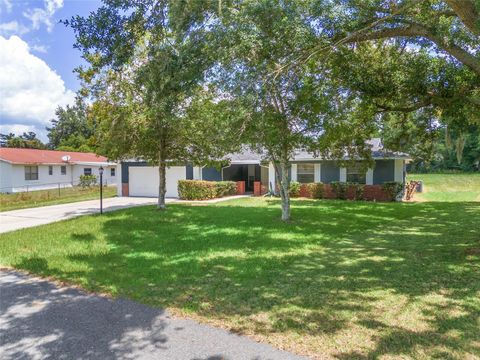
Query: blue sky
{"points": [[37, 60]]}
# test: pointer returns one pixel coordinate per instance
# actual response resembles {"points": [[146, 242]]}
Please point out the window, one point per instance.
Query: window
{"points": [[63, 170], [31, 172], [112, 171], [50, 170], [356, 175], [306, 173], [87, 171]]}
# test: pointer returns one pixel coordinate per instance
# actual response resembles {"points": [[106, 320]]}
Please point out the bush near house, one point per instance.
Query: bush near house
{"points": [[204, 190], [347, 191], [87, 181], [294, 189], [310, 190], [225, 188], [392, 189]]}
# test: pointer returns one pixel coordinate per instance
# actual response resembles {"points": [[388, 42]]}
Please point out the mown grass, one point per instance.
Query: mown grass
{"points": [[342, 280], [23, 200], [448, 187]]}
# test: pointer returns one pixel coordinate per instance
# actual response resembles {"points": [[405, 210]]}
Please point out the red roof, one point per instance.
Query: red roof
{"points": [[35, 156]]}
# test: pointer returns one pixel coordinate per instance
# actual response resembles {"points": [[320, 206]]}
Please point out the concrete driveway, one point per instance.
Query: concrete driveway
{"points": [[24, 218], [39, 320]]}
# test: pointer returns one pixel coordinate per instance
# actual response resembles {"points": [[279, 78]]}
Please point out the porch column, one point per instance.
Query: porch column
{"points": [[398, 174], [197, 173], [343, 174], [317, 175], [293, 172], [369, 177], [271, 178]]}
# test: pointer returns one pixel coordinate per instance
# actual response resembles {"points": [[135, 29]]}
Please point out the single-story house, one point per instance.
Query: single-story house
{"points": [[141, 179], [33, 169]]}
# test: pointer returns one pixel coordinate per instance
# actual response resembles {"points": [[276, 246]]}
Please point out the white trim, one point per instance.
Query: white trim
{"points": [[197, 173], [245, 162], [369, 177], [398, 171], [343, 174], [89, 163], [271, 177], [119, 182], [293, 172], [317, 175]]}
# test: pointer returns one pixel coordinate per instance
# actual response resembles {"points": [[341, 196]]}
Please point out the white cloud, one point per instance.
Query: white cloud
{"points": [[39, 16], [13, 27], [7, 4], [17, 129], [39, 48], [30, 90]]}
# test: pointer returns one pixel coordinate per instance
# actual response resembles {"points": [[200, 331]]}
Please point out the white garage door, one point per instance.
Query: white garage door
{"points": [[143, 180]]}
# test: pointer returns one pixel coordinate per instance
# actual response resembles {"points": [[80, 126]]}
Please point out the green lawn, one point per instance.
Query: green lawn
{"points": [[448, 187], [343, 280], [31, 199]]}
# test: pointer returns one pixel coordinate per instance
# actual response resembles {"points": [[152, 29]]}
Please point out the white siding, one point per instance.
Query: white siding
{"points": [[46, 181], [5, 177], [78, 170]]}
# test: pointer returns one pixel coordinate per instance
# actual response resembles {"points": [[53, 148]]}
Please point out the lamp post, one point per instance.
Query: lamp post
{"points": [[100, 171]]}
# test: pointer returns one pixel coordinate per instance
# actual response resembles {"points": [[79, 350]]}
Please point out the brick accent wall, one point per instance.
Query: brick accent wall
{"points": [[124, 189], [259, 189], [240, 187]]}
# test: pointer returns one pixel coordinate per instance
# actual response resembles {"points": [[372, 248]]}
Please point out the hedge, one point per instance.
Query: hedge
{"points": [[225, 188], [393, 189], [204, 190]]}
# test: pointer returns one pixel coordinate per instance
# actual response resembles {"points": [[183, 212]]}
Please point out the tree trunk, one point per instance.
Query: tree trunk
{"points": [[281, 171], [161, 184]]}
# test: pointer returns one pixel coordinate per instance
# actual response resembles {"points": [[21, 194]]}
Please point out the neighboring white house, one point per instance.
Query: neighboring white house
{"points": [[137, 178], [33, 169]]}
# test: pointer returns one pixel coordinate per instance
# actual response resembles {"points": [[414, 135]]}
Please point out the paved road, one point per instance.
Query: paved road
{"points": [[39, 320], [19, 219]]}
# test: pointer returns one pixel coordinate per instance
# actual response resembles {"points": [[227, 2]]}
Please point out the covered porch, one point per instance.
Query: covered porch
{"points": [[246, 172]]}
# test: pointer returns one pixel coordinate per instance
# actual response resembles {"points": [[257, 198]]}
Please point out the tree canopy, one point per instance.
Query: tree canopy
{"points": [[26, 140], [71, 129], [172, 81], [147, 61]]}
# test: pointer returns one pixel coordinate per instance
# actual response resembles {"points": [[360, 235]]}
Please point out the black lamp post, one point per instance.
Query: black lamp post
{"points": [[100, 171]]}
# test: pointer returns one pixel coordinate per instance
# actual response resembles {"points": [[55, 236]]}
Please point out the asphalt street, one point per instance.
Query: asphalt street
{"points": [[40, 320]]}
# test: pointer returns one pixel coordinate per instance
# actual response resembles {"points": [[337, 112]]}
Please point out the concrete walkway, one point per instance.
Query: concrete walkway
{"points": [[24, 218], [39, 320]]}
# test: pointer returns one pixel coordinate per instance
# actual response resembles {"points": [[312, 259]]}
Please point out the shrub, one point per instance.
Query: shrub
{"points": [[357, 191], [225, 188], [196, 190], [339, 189], [315, 190], [393, 189], [294, 189], [87, 181]]}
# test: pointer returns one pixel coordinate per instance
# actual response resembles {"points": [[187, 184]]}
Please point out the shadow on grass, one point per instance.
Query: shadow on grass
{"points": [[328, 270]]}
